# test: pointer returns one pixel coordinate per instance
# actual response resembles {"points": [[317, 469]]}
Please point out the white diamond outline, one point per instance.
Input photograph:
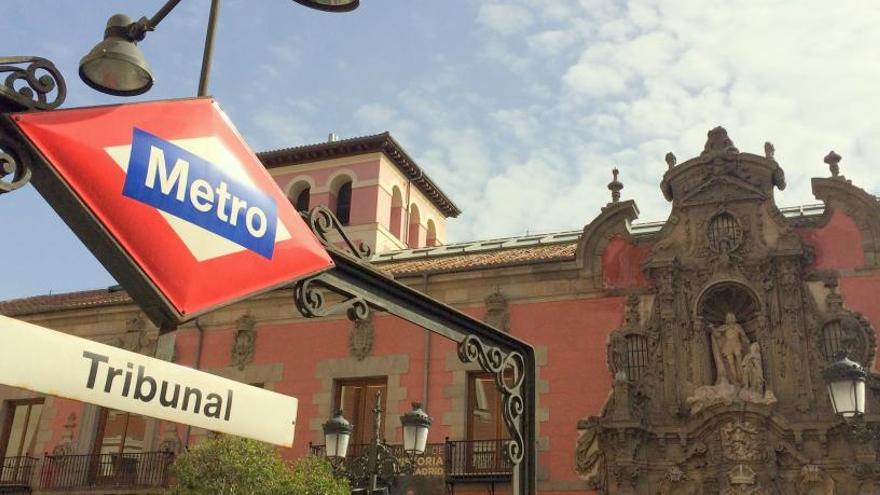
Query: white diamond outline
{"points": [[202, 243]]}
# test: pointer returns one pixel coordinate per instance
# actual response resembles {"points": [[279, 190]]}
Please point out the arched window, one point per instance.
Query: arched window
{"points": [[636, 357], [343, 203], [300, 195], [412, 239], [396, 221], [431, 239], [301, 203]]}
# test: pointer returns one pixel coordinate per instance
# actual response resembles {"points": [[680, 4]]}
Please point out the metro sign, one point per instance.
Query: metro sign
{"points": [[170, 199]]}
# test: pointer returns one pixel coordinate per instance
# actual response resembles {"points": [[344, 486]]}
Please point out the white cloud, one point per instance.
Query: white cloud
{"points": [[505, 18]]}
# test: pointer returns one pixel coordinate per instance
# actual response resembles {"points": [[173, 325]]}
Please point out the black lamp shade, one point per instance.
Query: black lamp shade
{"points": [[337, 433], [846, 387], [415, 429], [116, 65], [330, 5]]}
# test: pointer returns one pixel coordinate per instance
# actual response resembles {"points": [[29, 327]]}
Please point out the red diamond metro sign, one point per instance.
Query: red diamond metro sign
{"points": [[171, 200]]}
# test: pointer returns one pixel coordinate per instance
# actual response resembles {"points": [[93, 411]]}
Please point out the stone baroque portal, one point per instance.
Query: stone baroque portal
{"points": [[717, 386]]}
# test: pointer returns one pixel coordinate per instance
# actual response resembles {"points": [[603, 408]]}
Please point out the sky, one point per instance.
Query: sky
{"points": [[517, 109]]}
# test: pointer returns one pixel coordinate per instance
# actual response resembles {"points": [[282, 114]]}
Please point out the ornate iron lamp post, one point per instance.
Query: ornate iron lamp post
{"points": [[116, 65], [845, 379], [376, 469]]}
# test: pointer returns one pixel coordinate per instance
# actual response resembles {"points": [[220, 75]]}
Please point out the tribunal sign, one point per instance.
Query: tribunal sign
{"points": [[54, 363], [170, 199]]}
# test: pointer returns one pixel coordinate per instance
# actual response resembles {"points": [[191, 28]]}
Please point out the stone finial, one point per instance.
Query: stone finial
{"points": [[769, 150], [615, 186], [718, 142], [833, 160], [670, 160]]}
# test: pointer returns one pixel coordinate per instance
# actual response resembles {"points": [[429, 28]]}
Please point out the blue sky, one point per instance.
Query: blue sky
{"points": [[518, 109]]}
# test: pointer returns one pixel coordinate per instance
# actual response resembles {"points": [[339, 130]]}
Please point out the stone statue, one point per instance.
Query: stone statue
{"points": [[753, 370], [728, 342]]}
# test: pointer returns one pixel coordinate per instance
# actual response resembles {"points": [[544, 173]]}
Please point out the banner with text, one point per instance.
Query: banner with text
{"points": [[54, 363]]}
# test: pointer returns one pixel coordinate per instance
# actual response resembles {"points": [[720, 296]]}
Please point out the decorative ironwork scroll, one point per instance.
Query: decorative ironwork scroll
{"points": [[38, 86], [324, 223], [308, 294], [13, 172], [509, 370]]}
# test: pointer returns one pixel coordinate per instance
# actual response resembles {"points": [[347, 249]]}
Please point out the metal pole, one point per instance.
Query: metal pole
{"points": [[165, 10], [209, 48]]}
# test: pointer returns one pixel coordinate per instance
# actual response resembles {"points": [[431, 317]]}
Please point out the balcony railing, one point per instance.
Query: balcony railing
{"points": [[476, 460], [17, 471], [128, 470], [463, 460]]}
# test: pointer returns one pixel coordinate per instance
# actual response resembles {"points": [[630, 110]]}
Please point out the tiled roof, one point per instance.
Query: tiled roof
{"points": [[64, 301], [527, 249], [359, 146], [489, 259]]}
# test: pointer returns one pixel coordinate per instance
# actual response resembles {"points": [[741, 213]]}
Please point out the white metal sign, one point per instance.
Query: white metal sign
{"points": [[54, 363]]}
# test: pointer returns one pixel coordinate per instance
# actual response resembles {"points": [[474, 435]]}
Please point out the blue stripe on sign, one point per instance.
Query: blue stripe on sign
{"points": [[172, 179]]}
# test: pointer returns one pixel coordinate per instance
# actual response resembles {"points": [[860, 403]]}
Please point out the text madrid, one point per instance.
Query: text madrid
{"points": [[145, 388]]}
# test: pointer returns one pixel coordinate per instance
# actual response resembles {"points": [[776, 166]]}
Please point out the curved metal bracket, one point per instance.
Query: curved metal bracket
{"points": [[13, 172], [324, 224], [509, 370], [38, 86], [308, 295]]}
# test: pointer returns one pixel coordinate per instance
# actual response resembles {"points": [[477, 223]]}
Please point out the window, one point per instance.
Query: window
{"points": [[431, 239], [396, 219], [120, 432], [724, 233], [301, 203], [413, 235], [636, 357], [833, 338], [20, 428], [486, 431], [484, 421], [356, 398], [343, 203]]}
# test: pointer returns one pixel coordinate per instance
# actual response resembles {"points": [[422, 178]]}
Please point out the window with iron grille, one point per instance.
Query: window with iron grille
{"points": [[832, 340], [636, 357], [724, 233]]}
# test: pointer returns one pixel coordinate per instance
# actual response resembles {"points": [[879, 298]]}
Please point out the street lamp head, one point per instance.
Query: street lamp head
{"points": [[845, 379], [330, 5], [415, 429], [337, 432], [116, 65]]}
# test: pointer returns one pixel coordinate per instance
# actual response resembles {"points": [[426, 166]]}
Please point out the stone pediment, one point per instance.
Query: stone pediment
{"points": [[723, 189]]}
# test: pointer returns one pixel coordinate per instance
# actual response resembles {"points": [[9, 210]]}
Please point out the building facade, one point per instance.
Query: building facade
{"points": [[682, 356]]}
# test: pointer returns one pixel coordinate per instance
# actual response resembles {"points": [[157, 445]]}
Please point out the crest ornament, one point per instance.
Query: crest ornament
{"points": [[245, 341], [360, 340], [497, 314], [136, 337]]}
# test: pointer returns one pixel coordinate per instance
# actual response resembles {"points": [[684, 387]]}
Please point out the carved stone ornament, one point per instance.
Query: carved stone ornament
{"points": [[497, 314], [812, 481], [742, 481], [716, 372], [136, 338], [170, 442], [677, 482], [588, 457], [65, 446], [740, 441], [245, 341], [360, 340]]}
